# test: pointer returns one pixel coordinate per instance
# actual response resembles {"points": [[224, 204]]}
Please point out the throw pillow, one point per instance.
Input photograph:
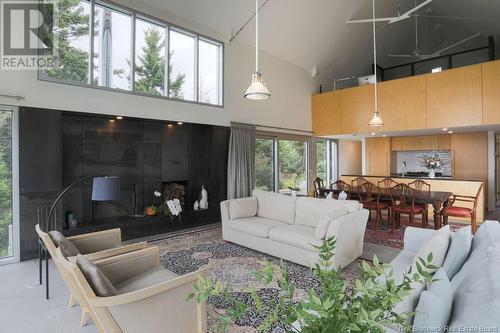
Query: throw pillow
{"points": [[458, 252], [438, 246], [487, 234], [68, 249], [242, 208], [433, 311], [325, 220], [99, 283]]}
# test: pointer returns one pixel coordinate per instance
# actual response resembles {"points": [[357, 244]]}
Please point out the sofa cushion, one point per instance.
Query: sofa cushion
{"points": [[242, 208], [438, 246], [477, 298], [458, 252], [99, 283], [325, 221], [434, 306], [256, 226], [275, 206], [309, 211], [296, 235], [488, 233], [68, 249], [145, 279]]}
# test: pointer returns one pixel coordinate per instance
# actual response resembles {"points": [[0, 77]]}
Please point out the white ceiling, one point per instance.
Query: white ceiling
{"points": [[314, 33]]}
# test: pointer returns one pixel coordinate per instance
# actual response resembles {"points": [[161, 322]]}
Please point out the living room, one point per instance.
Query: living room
{"points": [[249, 166]]}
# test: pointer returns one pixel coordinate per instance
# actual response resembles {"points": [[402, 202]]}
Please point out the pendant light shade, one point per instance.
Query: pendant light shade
{"points": [[376, 120], [257, 89]]}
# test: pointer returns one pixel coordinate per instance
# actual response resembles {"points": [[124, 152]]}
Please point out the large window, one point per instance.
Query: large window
{"points": [[264, 164], [293, 165], [133, 52], [326, 158]]}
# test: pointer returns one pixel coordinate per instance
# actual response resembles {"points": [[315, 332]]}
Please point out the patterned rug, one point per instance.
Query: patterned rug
{"points": [[234, 265]]}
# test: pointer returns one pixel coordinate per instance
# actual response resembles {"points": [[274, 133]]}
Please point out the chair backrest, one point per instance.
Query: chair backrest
{"points": [[403, 196], [357, 182], [341, 186], [387, 183], [420, 185], [369, 192], [318, 183]]}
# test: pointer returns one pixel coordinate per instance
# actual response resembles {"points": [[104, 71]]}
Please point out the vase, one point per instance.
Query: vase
{"points": [[432, 173]]}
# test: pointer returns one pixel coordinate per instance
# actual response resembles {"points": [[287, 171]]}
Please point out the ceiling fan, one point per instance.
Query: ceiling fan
{"points": [[417, 53], [393, 19]]}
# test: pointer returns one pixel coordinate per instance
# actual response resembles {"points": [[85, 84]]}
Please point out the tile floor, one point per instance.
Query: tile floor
{"points": [[23, 308]]}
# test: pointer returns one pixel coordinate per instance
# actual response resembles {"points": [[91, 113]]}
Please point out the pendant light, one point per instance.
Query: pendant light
{"points": [[257, 89], [376, 120]]}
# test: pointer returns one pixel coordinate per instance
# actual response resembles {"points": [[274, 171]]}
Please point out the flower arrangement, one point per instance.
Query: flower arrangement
{"points": [[165, 207], [366, 307], [431, 161]]}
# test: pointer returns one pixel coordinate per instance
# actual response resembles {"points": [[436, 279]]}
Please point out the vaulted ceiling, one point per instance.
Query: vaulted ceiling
{"points": [[315, 33]]}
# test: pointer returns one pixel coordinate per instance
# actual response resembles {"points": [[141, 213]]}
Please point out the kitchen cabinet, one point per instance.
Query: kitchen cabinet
{"points": [[491, 95], [396, 143], [402, 103], [428, 142], [326, 113], [454, 97], [378, 156], [444, 142], [470, 155], [357, 107], [410, 143]]}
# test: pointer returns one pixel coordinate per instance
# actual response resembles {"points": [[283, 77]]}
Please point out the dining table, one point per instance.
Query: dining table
{"points": [[438, 199]]}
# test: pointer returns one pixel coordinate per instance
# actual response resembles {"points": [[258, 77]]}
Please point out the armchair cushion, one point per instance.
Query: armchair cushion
{"points": [[146, 279], [99, 283], [458, 211], [458, 252], [68, 249], [242, 208]]}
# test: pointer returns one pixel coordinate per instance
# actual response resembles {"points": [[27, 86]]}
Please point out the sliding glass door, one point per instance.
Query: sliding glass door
{"points": [[264, 164], [293, 165], [9, 227], [326, 160]]}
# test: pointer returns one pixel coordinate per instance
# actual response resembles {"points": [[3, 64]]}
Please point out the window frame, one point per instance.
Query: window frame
{"points": [[332, 158], [169, 26]]}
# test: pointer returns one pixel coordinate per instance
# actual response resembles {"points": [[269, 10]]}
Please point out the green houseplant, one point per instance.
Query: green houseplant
{"points": [[366, 307]]}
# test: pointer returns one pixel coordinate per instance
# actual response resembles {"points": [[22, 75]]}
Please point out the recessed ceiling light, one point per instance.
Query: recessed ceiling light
{"points": [[450, 132], [384, 135], [119, 117], [373, 133], [445, 129], [111, 120], [179, 123], [170, 125]]}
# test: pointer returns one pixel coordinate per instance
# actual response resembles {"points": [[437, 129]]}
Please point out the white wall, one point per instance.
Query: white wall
{"points": [[350, 157], [289, 105]]}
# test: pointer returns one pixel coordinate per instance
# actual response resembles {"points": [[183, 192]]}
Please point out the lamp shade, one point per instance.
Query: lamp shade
{"points": [[257, 89], [105, 188], [376, 120]]}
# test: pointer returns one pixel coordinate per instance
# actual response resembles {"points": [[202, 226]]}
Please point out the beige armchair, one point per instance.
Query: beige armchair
{"points": [[95, 246], [150, 298]]}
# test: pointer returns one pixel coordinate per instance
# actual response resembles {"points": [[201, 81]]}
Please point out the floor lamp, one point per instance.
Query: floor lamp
{"points": [[104, 188]]}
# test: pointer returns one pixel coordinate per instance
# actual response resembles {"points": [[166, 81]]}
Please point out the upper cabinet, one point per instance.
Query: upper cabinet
{"points": [[491, 92], [357, 107], [426, 142], [454, 97], [378, 156], [326, 113], [402, 103]]}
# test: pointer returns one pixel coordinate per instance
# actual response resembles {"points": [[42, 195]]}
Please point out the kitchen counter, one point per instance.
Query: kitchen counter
{"points": [[460, 186], [399, 176]]}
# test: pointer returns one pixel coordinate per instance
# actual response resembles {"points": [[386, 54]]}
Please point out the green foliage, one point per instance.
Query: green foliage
{"points": [[72, 23], [321, 155], [5, 181], [264, 164], [293, 164], [367, 307]]}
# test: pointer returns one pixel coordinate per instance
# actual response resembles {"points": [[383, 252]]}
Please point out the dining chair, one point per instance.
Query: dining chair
{"points": [[341, 185], [356, 183], [420, 185], [456, 211], [318, 185], [369, 195], [387, 183], [403, 202]]}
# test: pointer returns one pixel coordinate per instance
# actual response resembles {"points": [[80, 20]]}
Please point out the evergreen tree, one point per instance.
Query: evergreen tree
{"points": [[150, 69], [72, 22]]}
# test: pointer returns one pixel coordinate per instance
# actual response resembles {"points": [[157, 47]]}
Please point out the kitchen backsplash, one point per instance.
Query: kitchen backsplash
{"points": [[412, 159]]}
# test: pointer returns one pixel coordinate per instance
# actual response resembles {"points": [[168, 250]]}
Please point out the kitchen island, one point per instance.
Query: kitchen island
{"points": [[460, 186]]}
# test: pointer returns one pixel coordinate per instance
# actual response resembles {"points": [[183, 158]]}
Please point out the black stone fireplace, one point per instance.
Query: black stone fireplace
{"points": [[59, 147]]}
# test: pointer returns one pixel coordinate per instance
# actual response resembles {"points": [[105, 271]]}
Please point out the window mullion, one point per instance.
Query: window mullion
{"points": [[91, 34], [167, 61], [196, 68], [132, 52]]}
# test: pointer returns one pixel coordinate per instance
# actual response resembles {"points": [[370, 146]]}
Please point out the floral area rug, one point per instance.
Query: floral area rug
{"points": [[234, 266]]}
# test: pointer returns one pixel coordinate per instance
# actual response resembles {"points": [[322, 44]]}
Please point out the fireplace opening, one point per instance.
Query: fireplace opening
{"points": [[175, 190]]}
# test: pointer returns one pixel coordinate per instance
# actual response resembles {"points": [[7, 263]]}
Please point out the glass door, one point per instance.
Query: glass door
{"points": [[293, 165], [9, 211]]}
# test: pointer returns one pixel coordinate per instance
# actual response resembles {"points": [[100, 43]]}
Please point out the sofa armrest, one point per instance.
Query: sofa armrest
{"points": [[124, 266], [116, 251], [97, 241], [224, 211], [128, 310], [415, 237]]}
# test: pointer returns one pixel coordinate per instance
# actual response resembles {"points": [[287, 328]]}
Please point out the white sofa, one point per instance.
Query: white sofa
{"points": [[286, 227], [475, 283]]}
